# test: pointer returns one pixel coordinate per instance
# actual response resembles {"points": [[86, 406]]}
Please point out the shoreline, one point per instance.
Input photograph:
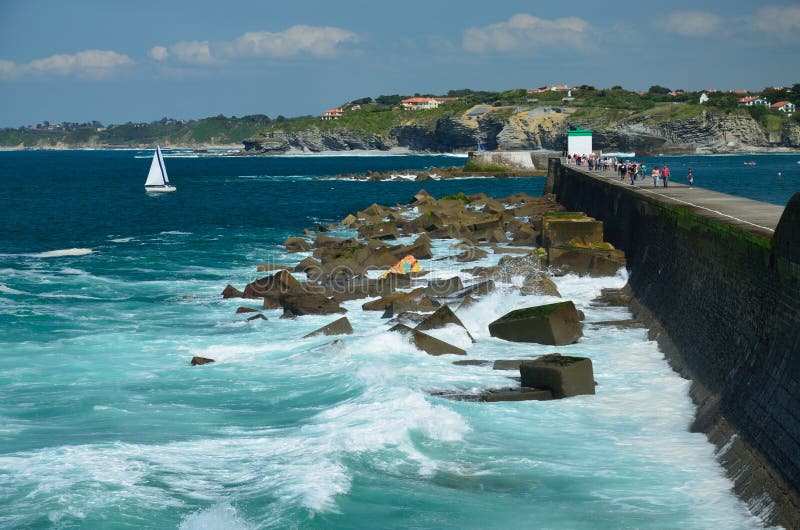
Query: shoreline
{"points": [[395, 151]]}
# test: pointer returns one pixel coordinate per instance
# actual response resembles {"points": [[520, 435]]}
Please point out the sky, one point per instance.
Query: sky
{"points": [[140, 61]]}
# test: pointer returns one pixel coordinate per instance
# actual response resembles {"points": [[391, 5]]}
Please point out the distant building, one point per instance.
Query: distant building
{"points": [[753, 101], [783, 106], [579, 142], [554, 88], [424, 103], [332, 114], [703, 98], [355, 107]]}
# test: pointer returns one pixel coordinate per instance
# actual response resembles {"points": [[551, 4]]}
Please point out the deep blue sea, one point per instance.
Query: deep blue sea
{"points": [[106, 293]]}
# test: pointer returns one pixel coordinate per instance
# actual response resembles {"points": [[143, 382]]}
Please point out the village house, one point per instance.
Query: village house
{"points": [[783, 106], [332, 114], [753, 101], [424, 103], [554, 88]]}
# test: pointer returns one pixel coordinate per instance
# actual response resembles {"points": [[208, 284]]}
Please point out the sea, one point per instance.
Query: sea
{"points": [[106, 293]]}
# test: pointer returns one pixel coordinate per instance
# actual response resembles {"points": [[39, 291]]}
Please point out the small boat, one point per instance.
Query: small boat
{"points": [[157, 179], [750, 163]]}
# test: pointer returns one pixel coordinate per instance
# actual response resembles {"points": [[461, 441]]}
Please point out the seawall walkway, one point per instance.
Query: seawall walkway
{"points": [[752, 216]]}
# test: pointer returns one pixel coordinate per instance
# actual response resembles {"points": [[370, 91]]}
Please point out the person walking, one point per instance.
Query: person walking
{"points": [[656, 175], [665, 175], [690, 178]]}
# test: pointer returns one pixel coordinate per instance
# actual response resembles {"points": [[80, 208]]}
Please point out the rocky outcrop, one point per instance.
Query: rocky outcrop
{"points": [[199, 361]]}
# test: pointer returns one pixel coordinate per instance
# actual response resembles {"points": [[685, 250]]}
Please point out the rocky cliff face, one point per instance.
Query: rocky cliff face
{"points": [[450, 134], [315, 140], [544, 128]]}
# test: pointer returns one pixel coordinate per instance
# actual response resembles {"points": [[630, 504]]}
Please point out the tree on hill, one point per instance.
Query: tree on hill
{"points": [[774, 95], [658, 89], [794, 94], [394, 99]]}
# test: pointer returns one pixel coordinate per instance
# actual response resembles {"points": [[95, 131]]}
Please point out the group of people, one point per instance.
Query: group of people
{"points": [[628, 170]]}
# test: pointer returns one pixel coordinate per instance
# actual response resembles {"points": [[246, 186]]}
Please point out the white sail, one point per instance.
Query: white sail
{"points": [[163, 166], [157, 175]]}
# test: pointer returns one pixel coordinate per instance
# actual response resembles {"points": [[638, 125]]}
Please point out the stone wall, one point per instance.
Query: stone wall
{"points": [[724, 305]]}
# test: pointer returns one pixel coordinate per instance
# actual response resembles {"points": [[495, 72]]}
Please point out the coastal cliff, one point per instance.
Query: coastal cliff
{"points": [[674, 128], [526, 128], [720, 297]]}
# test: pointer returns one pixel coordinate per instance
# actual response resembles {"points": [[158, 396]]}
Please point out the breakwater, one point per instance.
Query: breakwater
{"points": [[716, 278]]}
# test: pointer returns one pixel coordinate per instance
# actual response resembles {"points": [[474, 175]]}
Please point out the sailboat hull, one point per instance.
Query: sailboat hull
{"points": [[159, 189]]}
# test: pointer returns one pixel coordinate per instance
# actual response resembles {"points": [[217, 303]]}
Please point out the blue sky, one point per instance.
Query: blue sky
{"points": [[140, 61]]}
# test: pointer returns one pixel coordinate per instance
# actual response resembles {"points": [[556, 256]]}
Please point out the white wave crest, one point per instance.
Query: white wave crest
{"points": [[62, 253], [221, 516]]}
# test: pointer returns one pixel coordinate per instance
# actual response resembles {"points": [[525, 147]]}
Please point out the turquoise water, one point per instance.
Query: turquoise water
{"points": [[106, 293]]}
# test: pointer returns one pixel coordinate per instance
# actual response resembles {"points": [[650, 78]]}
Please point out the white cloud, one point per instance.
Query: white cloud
{"points": [[781, 20], [524, 32], [316, 41], [297, 40], [192, 52], [87, 64], [691, 23], [8, 69], [159, 53]]}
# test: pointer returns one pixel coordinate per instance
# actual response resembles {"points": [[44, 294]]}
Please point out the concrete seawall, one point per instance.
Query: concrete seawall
{"points": [[717, 280]]}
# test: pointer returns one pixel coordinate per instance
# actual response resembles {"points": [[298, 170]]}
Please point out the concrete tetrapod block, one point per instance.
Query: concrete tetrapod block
{"points": [[428, 344], [554, 324], [562, 227], [564, 376], [337, 327], [440, 318]]}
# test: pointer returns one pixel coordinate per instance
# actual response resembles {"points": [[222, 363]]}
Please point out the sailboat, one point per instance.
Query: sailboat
{"points": [[157, 180]]}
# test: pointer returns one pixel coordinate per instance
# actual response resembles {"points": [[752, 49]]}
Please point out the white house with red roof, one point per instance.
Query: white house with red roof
{"points": [[424, 103], [332, 114], [753, 101], [783, 106]]}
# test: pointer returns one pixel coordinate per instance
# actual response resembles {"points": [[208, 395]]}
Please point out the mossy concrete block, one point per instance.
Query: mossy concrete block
{"points": [[441, 318], [561, 230], [554, 324], [564, 376], [387, 230], [586, 261], [444, 286], [337, 327], [426, 343]]}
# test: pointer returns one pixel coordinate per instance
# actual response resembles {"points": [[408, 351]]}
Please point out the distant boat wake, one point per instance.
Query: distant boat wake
{"points": [[62, 253]]}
